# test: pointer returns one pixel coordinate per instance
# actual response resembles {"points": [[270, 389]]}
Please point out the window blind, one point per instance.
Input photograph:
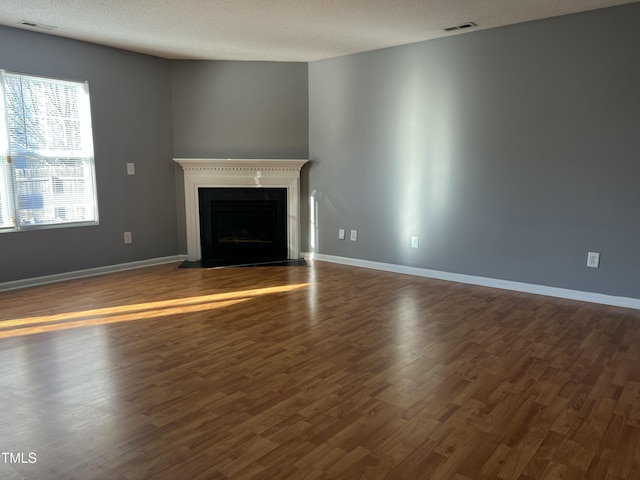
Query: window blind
{"points": [[49, 177]]}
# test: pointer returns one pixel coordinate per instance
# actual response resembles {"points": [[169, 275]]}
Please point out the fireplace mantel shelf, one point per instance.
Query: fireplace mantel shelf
{"points": [[240, 164], [240, 172]]}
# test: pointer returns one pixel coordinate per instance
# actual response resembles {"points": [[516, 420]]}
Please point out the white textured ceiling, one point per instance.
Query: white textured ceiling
{"points": [[278, 30]]}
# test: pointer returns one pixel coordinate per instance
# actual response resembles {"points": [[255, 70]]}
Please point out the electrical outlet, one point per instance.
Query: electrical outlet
{"points": [[127, 238], [415, 242], [341, 234], [593, 259], [131, 168], [354, 235]]}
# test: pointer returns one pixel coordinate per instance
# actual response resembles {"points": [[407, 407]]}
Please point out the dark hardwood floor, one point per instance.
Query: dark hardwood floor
{"points": [[326, 372]]}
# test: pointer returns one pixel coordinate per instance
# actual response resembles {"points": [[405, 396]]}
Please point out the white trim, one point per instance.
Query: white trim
{"points": [[90, 272], [600, 298], [240, 172]]}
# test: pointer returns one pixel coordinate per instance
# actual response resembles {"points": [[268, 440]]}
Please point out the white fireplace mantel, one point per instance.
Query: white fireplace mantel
{"points": [[245, 173]]}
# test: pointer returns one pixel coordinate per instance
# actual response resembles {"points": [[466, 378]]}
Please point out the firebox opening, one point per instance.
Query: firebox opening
{"points": [[243, 224]]}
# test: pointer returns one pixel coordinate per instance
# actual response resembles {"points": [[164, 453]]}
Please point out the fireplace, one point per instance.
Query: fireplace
{"points": [[244, 174], [243, 224]]}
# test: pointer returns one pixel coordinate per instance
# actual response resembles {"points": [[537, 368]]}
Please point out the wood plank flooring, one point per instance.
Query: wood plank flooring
{"points": [[326, 372]]}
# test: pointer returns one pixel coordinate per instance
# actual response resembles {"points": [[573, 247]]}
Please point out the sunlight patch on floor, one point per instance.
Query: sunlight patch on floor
{"points": [[139, 311]]}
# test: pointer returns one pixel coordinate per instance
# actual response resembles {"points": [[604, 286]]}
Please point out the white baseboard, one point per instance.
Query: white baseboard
{"points": [[90, 272], [591, 297], [600, 298]]}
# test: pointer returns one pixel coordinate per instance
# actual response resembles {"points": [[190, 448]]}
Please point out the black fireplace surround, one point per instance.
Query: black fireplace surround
{"points": [[243, 225]]}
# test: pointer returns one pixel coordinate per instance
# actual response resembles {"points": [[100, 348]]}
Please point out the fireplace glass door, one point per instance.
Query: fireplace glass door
{"points": [[243, 224]]}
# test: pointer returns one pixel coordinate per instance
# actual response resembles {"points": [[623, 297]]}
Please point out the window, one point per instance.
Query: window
{"points": [[47, 175]]}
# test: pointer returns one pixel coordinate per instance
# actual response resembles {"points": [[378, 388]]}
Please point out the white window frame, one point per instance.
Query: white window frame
{"points": [[79, 205]]}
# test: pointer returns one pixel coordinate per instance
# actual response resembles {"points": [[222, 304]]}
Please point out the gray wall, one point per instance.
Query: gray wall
{"points": [[225, 109], [131, 114], [511, 152]]}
